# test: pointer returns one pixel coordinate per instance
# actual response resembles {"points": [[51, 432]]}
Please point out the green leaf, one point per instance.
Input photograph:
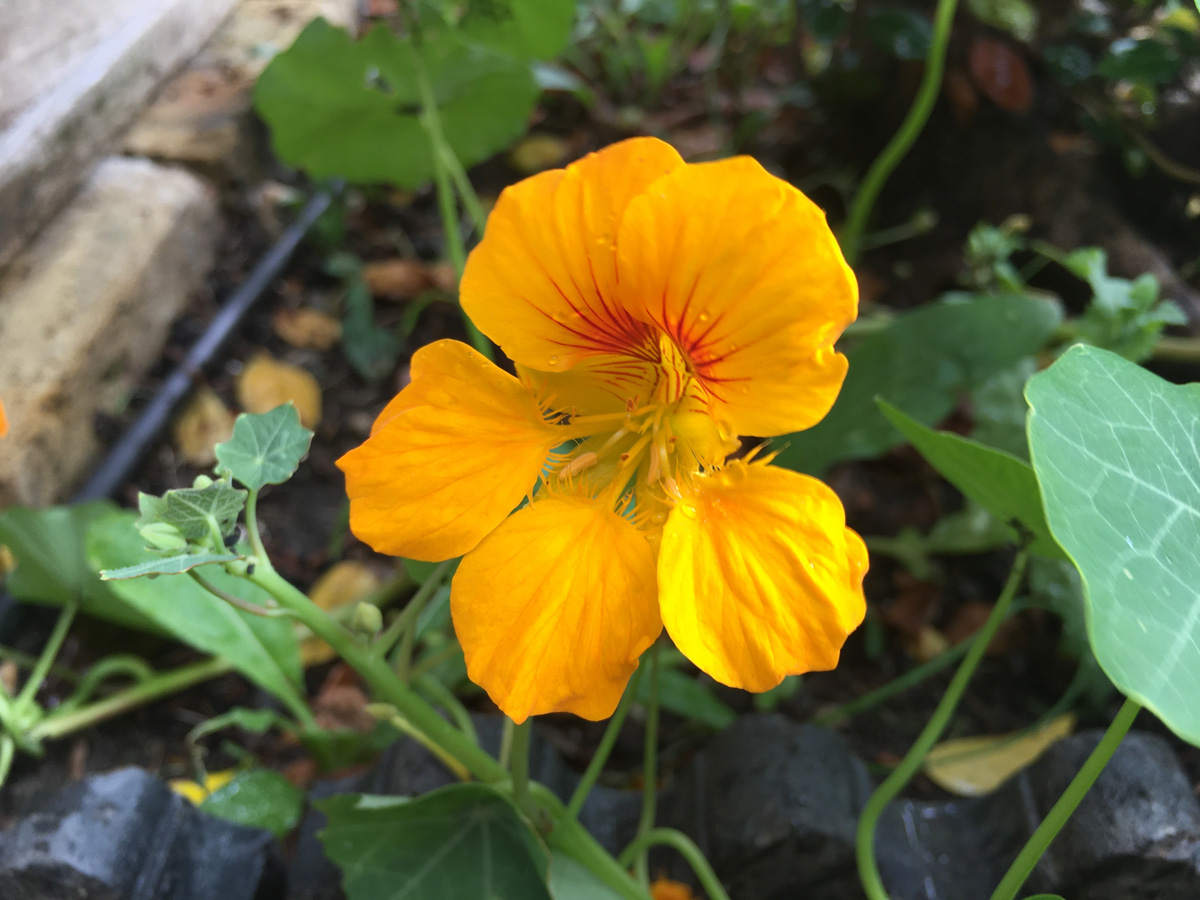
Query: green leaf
{"points": [[194, 511], [371, 350], [685, 696], [570, 880], [170, 565], [1150, 61], [266, 448], [259, 798], [52, 564], [465, 840], [920, 363], [525, 29], [1117, 453], [352, 109], [902, 32], [1001, 483], [265, 650], [1018, 17]]}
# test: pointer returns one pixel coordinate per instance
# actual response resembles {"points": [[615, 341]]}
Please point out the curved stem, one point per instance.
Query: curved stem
{"points": [[911, 678], [45, 659], [437, 693], [868, 869], [251, 519], [381, 679], [604, 749], [405, 627], [649, 773], [57, 725], [686, 847], [902, 140], [1040, 840], [122, 664]]}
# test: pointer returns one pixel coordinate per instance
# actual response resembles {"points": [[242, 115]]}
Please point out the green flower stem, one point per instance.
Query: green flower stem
{"points": [[649, 774], [442, 173], [518, 763], [466, 190], [8, 749], [404, 628], [46, 659], [911, 678], [58, 725], [607, 741], [686, 847], [383, 682], [1041, 839], [868, 869], [440, 695], [902, 140], [122, 664], [571, 838]]}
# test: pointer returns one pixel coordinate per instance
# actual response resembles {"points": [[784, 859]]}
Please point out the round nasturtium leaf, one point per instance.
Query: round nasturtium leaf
{"points": [[1117, 453]]}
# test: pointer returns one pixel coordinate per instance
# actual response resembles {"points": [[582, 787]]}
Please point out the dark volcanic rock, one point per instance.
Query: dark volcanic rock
{"points": [[126, 836]]}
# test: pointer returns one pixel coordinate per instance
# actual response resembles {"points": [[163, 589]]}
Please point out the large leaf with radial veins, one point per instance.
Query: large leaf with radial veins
{"points": [[1117, 453]]}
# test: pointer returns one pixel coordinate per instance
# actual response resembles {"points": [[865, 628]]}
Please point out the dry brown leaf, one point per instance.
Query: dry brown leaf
{"points": [[537, 153], [444, 277], [978, 765], [926, 644], [308, 329], [204, 423], [266, 383], [344, 583], [1001, 74], [341, 702], [396, 279]]}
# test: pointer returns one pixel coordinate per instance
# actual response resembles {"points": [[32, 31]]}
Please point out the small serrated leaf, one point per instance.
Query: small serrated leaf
{"points": [[189, 509], [266, 448], [171, 565]]}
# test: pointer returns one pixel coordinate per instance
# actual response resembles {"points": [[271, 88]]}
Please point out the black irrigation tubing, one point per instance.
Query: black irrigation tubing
{"points": [[112, 471]]}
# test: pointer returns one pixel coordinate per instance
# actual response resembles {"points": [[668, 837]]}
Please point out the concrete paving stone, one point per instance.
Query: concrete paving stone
{"points": [[73, 75], [203, 117], [86, 309]]}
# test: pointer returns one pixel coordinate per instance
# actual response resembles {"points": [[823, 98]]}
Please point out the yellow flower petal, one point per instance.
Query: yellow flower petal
{"points": [[457, 450], [759, 576], [541, 283], [741, 270], [554, 608]]}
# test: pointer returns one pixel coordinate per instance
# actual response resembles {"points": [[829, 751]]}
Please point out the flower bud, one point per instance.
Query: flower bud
{"points": [[367, 619]]}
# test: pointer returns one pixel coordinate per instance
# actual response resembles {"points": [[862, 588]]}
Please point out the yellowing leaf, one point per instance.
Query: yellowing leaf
{"points": [[978, 765], [204, 423], [266, 383], [198, 793], [308, 329], [344, 584]]}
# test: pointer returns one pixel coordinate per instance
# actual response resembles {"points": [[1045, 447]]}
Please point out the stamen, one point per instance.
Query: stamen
{"points": [[578, 464]]}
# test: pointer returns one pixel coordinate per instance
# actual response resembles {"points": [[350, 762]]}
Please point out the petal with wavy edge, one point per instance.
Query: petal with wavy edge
{"points": [[759, 576], [455, 453], [555, 606], [742, 271], [541, 283]]}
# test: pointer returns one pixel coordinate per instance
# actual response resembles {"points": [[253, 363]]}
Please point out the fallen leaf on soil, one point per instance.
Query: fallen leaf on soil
{"points": [[444, 277], [1001, 74], [665, 889], [978, 765], [969, 618], [345, 583], [538, 152], [396, 279], [341, 703], [916, 601], [266, 383], [928, 643], [963, 99], [308, 329], [197, 793], [204, 423]]}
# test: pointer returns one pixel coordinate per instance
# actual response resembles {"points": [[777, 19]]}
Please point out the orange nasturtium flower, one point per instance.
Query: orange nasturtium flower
{"points": [[655, 311], [3, 420]]}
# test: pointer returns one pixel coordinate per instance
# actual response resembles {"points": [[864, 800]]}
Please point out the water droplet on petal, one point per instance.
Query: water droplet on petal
{"points": [[553, 360]]}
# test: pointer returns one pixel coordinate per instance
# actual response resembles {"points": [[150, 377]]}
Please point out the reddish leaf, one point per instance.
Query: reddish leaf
{"points": [[1001, 75]]}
